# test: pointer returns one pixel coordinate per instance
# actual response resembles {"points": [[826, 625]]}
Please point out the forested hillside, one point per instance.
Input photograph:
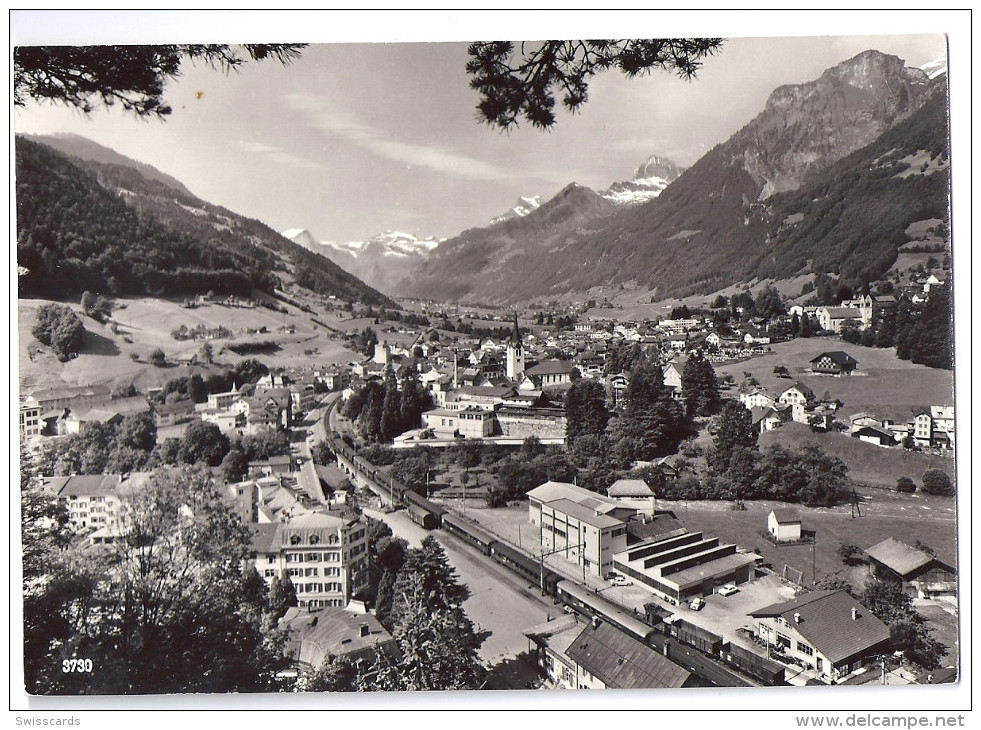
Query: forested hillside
{"points": [[82, 225]]}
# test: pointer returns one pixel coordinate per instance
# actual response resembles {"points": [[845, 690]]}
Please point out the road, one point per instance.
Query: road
{"points": [[501, 605]]}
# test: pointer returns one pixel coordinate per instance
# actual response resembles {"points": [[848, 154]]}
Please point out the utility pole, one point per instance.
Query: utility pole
{"points": [[814, 543]]}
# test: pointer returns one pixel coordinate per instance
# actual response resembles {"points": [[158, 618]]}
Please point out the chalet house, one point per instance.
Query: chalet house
{"points": [[170, 414], [324, 555], [784, 525], [678, 341], [826, 630], [755, 336], [30, 418], [874, 435], [766, 418], [672, 372], [931, 282], [757, 398], [229, 421], [633, 493], [110, 411], [616, 386], [921, 574], [796, 394], [469, 422], [857, 420], [608, 658], [836, 362], [934, 427]]}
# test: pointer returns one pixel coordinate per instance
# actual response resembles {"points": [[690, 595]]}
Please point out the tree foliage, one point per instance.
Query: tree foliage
{"points": [[520, 83], [60, 328], [652, 423], [699, 386], [936, 481], [585, 409], [169, 607], [132, 76], [733, 429], [908, 628]]}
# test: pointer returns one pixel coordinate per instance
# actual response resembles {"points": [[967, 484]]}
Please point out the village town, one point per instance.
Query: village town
{"points": [[611, 562], [379, 374]]}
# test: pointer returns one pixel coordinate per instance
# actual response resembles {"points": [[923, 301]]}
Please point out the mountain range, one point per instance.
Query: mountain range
{"points": [[827, 178], [89, 218], [772, 200], [387, 260]]}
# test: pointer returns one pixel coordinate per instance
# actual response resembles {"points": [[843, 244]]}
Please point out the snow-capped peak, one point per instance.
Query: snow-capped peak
{"points": [[648, 181], [520, 209], [387, 243], [933, 69]]}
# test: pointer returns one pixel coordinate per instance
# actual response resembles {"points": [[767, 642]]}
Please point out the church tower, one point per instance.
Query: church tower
{"points": [[515, 353]]}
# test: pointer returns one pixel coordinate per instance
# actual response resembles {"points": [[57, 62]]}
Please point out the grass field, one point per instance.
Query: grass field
{"points": [[883, 384], [930, 520], [144, 324], [867, 463]]}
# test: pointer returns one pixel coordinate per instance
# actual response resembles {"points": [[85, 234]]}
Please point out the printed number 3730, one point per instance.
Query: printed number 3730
{"points": [[76, 665]]}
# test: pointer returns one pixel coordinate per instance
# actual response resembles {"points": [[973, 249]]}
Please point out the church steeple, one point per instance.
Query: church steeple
{"points": [[515, 353]]}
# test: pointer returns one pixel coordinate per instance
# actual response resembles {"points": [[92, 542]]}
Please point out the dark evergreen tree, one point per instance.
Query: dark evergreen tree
{"points": [[733, 429], [390, 424], [653, 421], [369, 420], [585, 409], [700, 386]]}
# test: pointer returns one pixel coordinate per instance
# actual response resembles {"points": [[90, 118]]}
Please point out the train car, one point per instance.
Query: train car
{"points": [[525, 566], [466, 530], [422, 517], [423, 505], [592, 604], [765, 670], [696, 636]]}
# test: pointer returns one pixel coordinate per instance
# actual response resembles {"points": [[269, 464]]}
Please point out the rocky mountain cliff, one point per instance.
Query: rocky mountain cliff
{"points": [[716, 224]]}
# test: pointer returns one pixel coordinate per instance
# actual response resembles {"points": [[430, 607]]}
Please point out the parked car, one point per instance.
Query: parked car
{"points": [[697, 604], [728, 589], [619, 580]]}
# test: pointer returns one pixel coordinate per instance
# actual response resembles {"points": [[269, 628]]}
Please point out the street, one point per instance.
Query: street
{"points": [[501, 605]]}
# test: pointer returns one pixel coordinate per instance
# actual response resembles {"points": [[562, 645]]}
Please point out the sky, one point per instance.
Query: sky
{"points": [[356, 138]]}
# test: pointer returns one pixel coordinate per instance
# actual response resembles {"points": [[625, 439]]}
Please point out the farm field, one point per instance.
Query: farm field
{"points": [[883, 384], [148, 322]]}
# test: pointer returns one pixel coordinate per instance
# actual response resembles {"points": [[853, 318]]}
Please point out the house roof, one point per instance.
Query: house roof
{"points": [[333, 632], [838, 357], [662, 526], [90, 485], [621, 662], [786, 516], [843, 312], [761, 412], [629, 488], [585, 512], [899, 557], [551, 367], [826, 623], [797, 385]]}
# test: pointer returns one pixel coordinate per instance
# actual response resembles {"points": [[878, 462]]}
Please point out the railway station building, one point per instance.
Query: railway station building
{"points": [[586, 528]]}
